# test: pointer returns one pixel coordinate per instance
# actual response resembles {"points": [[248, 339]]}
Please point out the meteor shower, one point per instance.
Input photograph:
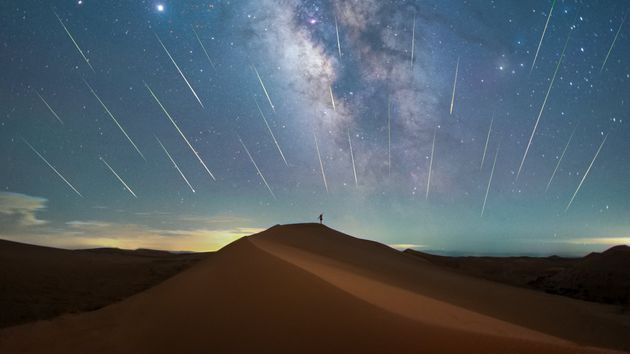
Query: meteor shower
{"points": [[263, 175]]}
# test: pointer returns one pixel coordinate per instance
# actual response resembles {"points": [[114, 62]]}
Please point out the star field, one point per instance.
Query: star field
{"points": [[185, 125]]}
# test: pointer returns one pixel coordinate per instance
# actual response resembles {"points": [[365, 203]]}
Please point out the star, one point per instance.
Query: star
{"points": [[385, 105]]}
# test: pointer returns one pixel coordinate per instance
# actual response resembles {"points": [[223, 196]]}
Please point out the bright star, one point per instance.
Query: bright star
{"points": [[160, 7]]}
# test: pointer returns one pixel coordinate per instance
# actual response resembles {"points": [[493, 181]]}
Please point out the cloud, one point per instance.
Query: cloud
{"points": [[19, 222], [19, 210], [174, 233], [404, 246], [132, 236], [87, 224], [95, 234], [213, 220], [605, 241]]}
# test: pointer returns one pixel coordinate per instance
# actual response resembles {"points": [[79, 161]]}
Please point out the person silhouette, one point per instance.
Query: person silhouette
{"points": [[321, 218]]}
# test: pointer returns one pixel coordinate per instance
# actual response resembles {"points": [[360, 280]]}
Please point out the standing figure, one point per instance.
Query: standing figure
{"points": [[321, 218]]}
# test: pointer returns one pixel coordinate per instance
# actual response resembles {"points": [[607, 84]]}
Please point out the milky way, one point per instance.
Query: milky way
{"points": [[383, 115]]}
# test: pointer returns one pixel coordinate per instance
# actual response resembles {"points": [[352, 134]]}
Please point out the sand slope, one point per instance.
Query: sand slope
{"points": [[306, 289], [578, 321]]}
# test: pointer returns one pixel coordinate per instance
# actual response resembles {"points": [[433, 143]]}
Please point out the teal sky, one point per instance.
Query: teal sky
{"points": [[441, 125]]}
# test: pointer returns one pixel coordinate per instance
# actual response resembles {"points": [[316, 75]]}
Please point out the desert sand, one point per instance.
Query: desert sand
{"points": [[599, 276], [38, 283], [306, 288]]}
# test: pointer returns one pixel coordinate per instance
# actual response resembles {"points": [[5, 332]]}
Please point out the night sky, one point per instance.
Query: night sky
{"points": [[184, 125]]}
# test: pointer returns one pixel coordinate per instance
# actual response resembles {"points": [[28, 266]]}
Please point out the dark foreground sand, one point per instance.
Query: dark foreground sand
{"points": [[599, 276], [38, 283], [309, 289]]}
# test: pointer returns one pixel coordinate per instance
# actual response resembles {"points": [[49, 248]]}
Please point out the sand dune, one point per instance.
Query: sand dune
{"points": [[42, 282], [600, 277], [581, 322], [399, 300], [309, 289]]}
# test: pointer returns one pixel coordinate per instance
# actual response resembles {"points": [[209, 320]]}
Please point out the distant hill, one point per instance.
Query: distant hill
{"points": [[140, 252], [39, 282], [600, 277]]}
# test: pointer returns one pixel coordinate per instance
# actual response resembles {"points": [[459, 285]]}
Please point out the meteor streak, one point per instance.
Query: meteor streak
{"points": [[338, 42], [389, 136], [354, 169], [586, 173], [49, 108], [204, 50], [431, 164], [559, 161], [485, 148], [118, 177], [180, 71], [454, 86], [273, 108], [542, 36], [180, 132], [321, 164], [332, 98], [175, 164], [271, 132], [114, 119], [413, 39], [52, 167], [483, 208], [87, 61], [257, 169], [542, 107], [612, 44]]}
